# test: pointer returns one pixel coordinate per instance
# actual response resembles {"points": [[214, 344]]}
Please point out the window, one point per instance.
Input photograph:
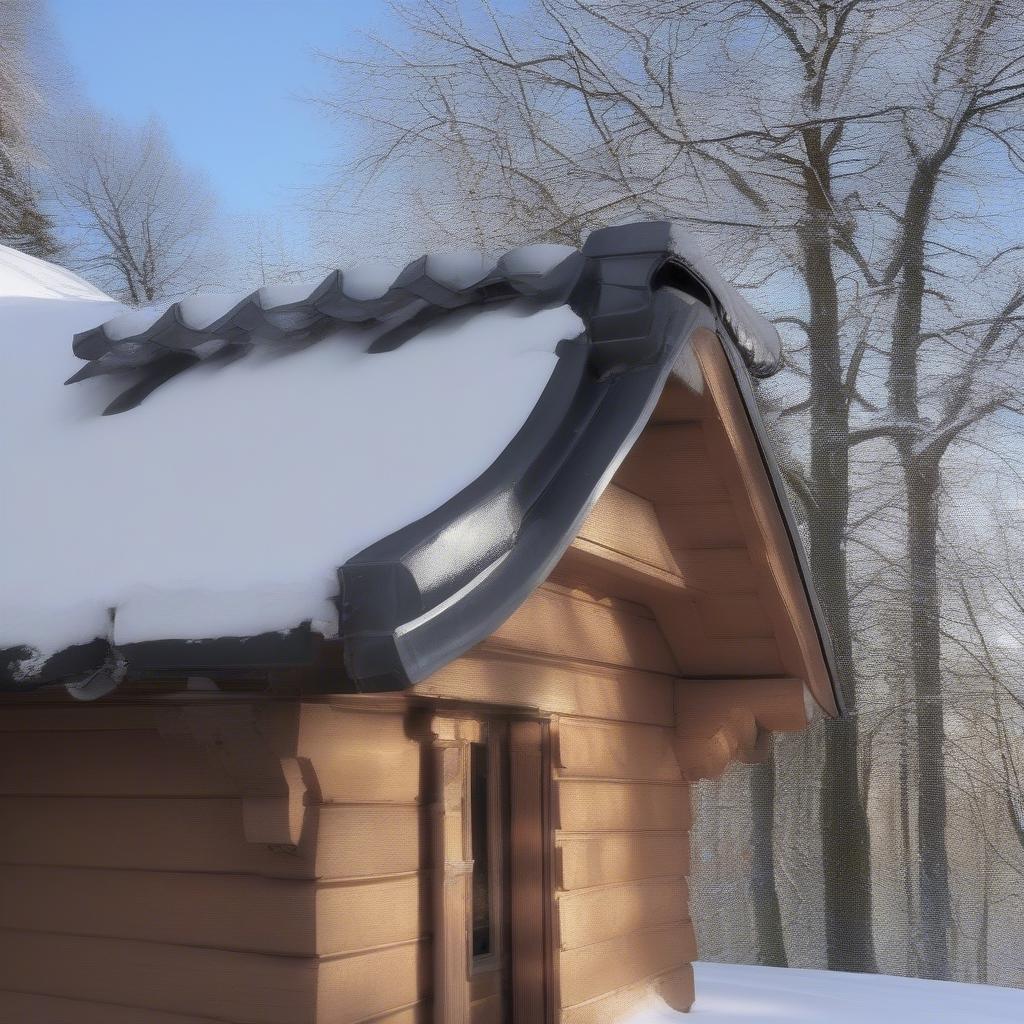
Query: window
{"points": [[480, 821]]}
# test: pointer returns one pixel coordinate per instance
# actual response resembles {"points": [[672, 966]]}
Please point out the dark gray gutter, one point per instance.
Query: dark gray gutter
{"points": [[418, 599]]}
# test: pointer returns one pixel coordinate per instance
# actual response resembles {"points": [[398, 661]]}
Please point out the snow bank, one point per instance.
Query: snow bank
{"points": [[224, 503], [732, 994], [25, 277]]}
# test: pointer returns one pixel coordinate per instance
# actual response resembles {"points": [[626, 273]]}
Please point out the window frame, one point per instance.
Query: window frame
{"points": [[492, 738]]}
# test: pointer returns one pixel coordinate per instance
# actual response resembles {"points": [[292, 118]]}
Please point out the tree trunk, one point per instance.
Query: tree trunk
{"points": [[922, 482], [906, 859], [771, 946], [846, 848], [986, 897], [846, 851]]}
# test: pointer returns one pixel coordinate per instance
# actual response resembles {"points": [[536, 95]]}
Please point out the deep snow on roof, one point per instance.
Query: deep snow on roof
{"points": [[737, 994], [224, 503], [25, 277]]}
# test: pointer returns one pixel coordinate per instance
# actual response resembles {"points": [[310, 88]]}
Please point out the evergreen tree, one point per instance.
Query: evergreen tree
{"points": [[23, 223]]}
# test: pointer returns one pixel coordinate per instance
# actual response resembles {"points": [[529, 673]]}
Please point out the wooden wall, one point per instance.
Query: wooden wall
{"points": [[622, 814], [671, 638], [148, 873], [600, 669]]}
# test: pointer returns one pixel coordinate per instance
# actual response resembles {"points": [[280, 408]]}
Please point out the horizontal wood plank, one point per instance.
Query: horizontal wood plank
{"points": [[621, 806], [603, 967], [174, 834], [360, 757], [227, 985], [172, 979], [133, 762], [298, 918], [556, 686], [733, 617], [702, 655], [628, 524], [748, 658], [354, 756], [615, 751], [669, 464], [565, 624], [364, 841], [593, 915], [701, 524], [594, 567], [29, 1008], [675, 987], [588, 860], [717, 570], [206, 835], [352, 917], [358, 989]]}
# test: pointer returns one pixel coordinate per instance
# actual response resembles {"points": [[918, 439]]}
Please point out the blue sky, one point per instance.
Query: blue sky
{"points": [[226, 77]]}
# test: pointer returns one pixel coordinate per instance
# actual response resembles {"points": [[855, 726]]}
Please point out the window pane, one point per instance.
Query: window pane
{"points": [[478, 769]]}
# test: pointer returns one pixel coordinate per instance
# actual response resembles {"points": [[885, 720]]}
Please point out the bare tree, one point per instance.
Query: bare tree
{"points": [[23, 223], [976, 93], [771, 941], [983, 633], [848, 160], [268, 250], [141, 221]]}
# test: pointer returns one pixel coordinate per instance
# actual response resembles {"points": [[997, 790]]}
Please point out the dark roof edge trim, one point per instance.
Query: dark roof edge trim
{"points": [[418, 599], [757, 426]]}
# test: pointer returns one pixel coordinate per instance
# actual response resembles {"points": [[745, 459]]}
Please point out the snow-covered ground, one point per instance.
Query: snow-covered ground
{"points": [[734, 994]]}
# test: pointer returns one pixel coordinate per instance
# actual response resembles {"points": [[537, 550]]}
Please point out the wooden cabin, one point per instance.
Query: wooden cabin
{"points": [[466, 798]]}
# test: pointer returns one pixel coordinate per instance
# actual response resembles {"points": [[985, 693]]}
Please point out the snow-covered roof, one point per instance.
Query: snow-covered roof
{"points": [[25, 277], [400, 449]]}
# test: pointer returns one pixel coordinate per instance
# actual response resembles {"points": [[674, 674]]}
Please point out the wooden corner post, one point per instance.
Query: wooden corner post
{"points": [[453, 868]]}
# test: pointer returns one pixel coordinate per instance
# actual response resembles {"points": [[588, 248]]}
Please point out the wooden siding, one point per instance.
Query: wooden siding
{"points": [[31, 1008], [549, 685], [222, 983], [130, 890], [593, 859], [622, 812], [611, 911], [600, 667], [564, 623], [185, 834], [601, 967], [675, 986]]}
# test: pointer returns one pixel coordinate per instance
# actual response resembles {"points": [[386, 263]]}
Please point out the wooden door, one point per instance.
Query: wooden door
{"points": [[530, 885], [492, 887]]}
